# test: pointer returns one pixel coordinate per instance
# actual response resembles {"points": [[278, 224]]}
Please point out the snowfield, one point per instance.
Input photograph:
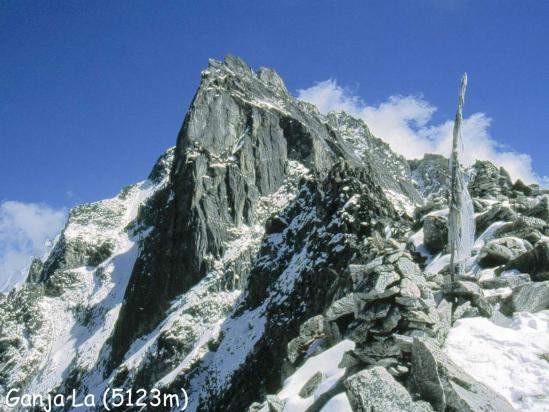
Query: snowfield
{"points": [[325, 363], [510, 356]]}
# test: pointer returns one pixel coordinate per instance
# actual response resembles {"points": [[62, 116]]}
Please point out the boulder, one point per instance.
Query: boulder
{"points": [[409, 289], [521, 187], [378, 283], [446, 386], [375, 390], [407, 267], [435, 232], [500, 251]]}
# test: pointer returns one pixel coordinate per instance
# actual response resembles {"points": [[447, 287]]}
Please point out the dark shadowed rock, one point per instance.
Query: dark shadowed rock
{"points": [[535, 262], [435, 231], [522, 187]]}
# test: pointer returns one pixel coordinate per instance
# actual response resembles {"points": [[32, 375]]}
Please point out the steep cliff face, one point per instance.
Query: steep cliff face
{"points": [[275, 258]]}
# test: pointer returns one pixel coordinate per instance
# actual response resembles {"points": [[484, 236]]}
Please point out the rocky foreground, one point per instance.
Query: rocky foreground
{"points": [[279, 259]]}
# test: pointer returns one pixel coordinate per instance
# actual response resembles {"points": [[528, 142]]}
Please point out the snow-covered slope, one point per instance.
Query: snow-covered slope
{"points": [[58, 323], [509, 355]]}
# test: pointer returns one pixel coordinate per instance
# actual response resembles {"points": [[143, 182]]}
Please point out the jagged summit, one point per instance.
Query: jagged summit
{"points": [[278, 259]]}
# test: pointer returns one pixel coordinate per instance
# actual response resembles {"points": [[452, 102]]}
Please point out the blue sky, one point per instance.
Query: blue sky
{"points": [[91, 93]]}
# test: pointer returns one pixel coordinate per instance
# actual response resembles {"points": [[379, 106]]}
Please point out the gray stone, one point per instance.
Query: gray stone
{"points": [[462, 310], [377, 311], [484, 307], [376, 350], [444, 310], [342, 307], [375, 295], [349, 360], [357, 273], [375, 390], [312, 327], [531, 297], [500, 251], [541, 210], [525, 227], [407, 267], [404, 342], [511, 279], [489, 181], [361, 332], [446, 386], [392, 319], [311, 385], [274, 403], [410, 302], [409, 289], [310, 330], [418, 317], [462, 288]]}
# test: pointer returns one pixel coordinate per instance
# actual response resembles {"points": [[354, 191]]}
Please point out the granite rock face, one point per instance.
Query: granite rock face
{"points": [[234, 146]]}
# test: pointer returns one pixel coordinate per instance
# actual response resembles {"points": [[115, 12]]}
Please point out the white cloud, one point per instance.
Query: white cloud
{"points": [[25, 230], [405, 123]]}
